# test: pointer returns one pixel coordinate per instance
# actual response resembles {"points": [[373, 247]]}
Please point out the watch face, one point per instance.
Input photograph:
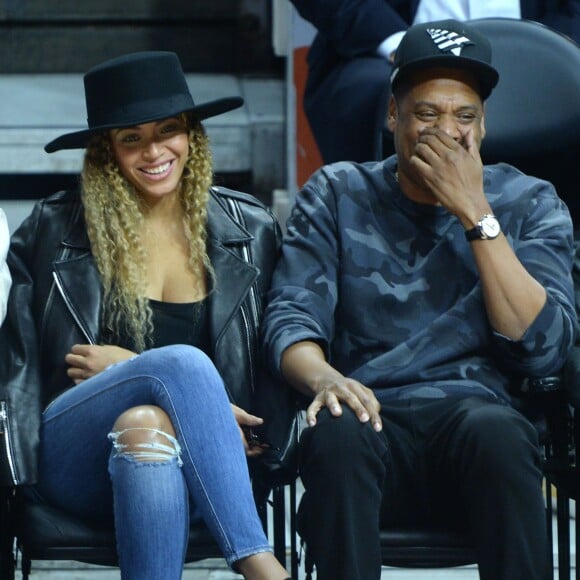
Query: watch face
{"points": [[490, 226]]}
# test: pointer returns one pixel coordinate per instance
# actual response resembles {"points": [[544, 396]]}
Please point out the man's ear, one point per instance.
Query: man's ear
{"points": [[392, 114]]}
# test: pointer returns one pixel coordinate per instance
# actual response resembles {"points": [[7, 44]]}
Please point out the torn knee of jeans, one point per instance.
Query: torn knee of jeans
{"points": [[150, 447]]}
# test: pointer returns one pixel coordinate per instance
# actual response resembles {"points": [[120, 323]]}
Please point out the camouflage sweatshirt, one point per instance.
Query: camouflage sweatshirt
{"points": [[390, 290]]}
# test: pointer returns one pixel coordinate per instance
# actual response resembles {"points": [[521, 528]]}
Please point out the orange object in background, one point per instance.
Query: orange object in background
{"points": [[308, 158]]}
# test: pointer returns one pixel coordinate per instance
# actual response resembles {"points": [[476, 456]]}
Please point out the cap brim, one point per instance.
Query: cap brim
{"points": [[486, 75], [80, 139]]}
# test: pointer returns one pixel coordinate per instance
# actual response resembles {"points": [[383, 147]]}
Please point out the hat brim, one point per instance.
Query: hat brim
{"points": [[485, 74], [80, 139]]}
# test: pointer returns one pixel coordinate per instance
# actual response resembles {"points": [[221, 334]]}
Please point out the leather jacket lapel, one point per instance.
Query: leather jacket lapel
{"points": [[78, 281], [79, 284]]}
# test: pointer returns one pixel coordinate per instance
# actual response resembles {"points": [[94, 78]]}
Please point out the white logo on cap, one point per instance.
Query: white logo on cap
{"points": [[448, 41]]}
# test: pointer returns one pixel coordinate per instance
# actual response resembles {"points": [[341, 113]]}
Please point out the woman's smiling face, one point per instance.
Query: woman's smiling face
{"points": [[152, 156]]}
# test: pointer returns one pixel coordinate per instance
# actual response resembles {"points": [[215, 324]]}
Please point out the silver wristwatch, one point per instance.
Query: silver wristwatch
{"points": [[487, 228]]}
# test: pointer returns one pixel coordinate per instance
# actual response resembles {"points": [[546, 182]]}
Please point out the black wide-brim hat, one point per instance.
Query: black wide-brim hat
{"points": [[448, 44], [137, 88]]}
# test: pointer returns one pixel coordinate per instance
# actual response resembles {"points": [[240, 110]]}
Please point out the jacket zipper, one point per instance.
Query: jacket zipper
{"points": [[248, 259], [252, 318], [6, 439], [247, 326], [71, 309], [64, 253], [255, 309]]}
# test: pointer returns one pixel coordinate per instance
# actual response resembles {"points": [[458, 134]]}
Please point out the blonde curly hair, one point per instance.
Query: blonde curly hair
{"points": [[114, 214]]}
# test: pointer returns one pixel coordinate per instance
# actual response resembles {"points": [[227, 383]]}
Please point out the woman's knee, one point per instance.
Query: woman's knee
{"points": [[146, 433], [180, 364], [178, 356]]}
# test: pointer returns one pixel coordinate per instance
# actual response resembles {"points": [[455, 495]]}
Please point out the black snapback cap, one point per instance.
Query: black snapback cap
{"points": [[445, 43]]}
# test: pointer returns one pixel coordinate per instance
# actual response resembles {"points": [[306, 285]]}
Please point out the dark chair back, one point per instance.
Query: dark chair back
{"points": [[533, 115]]}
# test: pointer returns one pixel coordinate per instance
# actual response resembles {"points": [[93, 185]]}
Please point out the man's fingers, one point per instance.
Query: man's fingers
{"points": [[376, 421], [357, 397], [436, 136], [353, 400], [420, 166], [470, 144], [328, 400], [427, 151], [333, 404], [373, 408], [312, 411], [367, 407]]}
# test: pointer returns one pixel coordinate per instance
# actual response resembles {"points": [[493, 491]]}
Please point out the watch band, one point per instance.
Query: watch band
{"points": [[473, 234]]}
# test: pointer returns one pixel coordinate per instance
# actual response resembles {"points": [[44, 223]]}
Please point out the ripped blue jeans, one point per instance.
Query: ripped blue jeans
{"points": [[84, 470]]}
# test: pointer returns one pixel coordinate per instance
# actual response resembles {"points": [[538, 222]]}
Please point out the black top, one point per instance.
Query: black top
{"points": [[174, 323]]}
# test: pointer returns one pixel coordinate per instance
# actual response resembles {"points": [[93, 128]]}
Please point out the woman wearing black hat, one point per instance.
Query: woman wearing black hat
{"points": [[132, 324]]}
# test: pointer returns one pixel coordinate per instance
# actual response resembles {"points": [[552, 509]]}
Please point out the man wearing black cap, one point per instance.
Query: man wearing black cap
{"points": [[412, 296], [351, 58]]}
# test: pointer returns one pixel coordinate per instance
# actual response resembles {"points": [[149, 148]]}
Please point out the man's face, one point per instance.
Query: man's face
{"points": [[446, 99]]}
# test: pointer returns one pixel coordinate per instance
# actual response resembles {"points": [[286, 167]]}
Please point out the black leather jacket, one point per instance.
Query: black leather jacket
{"points": [[55, 302]]}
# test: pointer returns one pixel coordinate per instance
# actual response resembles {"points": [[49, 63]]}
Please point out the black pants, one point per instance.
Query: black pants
{"points": [[346, 109], [470, 460]]}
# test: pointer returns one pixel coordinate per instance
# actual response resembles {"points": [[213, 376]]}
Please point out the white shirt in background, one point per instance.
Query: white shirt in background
{"points": [[429, 10]]}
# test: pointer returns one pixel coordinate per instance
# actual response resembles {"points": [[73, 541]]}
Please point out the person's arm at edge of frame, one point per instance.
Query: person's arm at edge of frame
{"points": [[5, 279], [20, 380]]}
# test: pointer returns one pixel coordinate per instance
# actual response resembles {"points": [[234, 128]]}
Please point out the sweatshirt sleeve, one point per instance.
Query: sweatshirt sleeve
{"points": [[303, 295], [544, 245]]}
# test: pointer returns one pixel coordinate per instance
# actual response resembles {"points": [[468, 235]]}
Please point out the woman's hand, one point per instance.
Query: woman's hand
{"points": [[245, 422], [87, 360]]}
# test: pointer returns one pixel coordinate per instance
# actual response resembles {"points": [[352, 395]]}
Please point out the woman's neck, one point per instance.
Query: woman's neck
{"points": [[163, 210]]}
